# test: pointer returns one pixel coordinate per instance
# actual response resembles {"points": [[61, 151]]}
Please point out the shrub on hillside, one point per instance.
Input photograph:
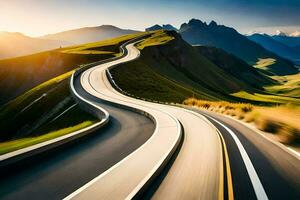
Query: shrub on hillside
{"points": [[268, 125], [288, 134]]}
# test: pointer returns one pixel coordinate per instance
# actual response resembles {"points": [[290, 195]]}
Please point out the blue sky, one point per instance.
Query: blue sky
{"points": [[38, 17]]}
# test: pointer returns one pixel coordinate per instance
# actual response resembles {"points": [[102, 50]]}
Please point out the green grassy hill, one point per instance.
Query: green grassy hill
{"points": [[42, 113], [288, 86], [171, 70], [39, 110], [170, 62], [235, 66]]}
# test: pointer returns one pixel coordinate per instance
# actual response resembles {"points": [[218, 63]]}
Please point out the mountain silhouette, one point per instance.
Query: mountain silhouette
{"points": [[277, 47], [89, 34], [197, 32], [167, 27]]}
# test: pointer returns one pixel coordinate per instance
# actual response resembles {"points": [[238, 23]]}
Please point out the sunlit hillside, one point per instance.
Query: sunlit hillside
{"points": [[17, 44], [20, 74]]}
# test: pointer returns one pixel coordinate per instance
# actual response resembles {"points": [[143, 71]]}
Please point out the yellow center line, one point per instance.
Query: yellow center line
{"points": [[221, 181], [228, 170]]}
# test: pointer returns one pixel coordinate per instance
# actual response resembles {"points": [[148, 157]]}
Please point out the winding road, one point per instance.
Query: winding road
{"points": [[200, 143], [157, 151]]}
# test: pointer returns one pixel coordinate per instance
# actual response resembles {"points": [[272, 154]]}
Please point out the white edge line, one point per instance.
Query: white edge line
{"points": [[257, 185], [52, 141], [106, 114], [294, 151], [156, 167]]}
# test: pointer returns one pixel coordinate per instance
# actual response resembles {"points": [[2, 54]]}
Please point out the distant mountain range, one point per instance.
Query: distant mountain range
{"points": [[197, 32], [283, 45], [287, 40], [89, 34], [17, 44], [274, 45], [293, 34], [167, 27]]}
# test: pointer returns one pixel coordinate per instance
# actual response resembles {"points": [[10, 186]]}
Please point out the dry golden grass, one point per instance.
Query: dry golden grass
{"points": [[263, 63], [288, 134], [285, 114], [268, 125], [284, 121], [220, 106]]}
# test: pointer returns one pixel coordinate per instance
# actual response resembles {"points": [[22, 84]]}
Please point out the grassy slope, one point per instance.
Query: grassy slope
{"points": [[146, 83], [178, 60], [167, 62], [160, 74], [31, 113], [14, 145], [272, 87], [265, 63], [17, 75], [274, 66], [267, 98], [289, 86], [235, 66], [39, 115]]}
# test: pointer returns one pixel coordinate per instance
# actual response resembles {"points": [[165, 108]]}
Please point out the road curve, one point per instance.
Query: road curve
{"points": [[198, 168]]}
